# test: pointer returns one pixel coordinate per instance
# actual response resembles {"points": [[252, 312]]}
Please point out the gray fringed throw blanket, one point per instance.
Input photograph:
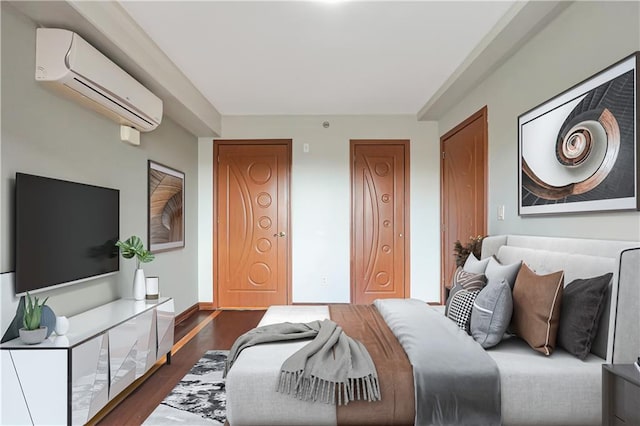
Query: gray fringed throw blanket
{"points": [[331, 367]]}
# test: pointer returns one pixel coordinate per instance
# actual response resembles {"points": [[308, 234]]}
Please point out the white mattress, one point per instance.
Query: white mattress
{"points": [[536, 390], [251, 383]]}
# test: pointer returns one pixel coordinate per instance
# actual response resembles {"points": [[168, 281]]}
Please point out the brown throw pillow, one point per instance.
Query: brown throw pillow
{"points": [[536, 308]]}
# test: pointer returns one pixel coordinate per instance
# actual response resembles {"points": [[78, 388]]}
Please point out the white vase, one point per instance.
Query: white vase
{"points": [[61, 341], [62, 325], [138, 284]]}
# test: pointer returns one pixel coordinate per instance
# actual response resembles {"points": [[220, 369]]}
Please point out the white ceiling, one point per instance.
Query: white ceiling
{"points": [[354, 57]]}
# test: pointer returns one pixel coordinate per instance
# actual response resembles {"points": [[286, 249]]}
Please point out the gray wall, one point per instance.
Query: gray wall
{"points": [[586, 38], [46, 134]]}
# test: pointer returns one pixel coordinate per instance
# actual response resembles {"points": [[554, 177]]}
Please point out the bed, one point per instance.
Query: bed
{"points": [[534, 389]]}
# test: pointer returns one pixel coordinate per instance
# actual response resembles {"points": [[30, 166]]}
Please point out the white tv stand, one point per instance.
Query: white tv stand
{"points": [[68, 379]]}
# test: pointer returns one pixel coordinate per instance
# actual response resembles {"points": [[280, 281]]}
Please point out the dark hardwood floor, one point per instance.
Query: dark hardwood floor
{"points": [[220, 333]]}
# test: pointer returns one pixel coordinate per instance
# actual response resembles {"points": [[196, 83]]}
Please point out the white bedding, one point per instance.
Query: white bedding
{"points": [[539, 390], [535, 390], [528, 379]]}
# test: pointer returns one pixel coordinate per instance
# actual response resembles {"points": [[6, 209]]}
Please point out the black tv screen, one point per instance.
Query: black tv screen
{"points": [[65, 232]]}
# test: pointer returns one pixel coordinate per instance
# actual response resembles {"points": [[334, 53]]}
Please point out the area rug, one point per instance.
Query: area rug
{"points": [[199, 398]]}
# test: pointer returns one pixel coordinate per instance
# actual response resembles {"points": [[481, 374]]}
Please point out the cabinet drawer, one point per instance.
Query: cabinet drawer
{"points": [[626, 402], [166, 325], [89, 379], [34, 382], [618, 397], [632, 403]]}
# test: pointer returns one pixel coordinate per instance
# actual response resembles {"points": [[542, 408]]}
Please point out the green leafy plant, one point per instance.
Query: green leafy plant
{"points": [[33, 313], [134, 247], [461, 252]]}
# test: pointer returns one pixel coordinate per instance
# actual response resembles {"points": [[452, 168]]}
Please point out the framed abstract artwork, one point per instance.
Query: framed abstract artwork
{"points": [[578, 152], [166, 208]]}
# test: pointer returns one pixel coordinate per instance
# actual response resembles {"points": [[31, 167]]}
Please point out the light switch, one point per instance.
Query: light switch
{"points": [[305, 147], [501, 212]]}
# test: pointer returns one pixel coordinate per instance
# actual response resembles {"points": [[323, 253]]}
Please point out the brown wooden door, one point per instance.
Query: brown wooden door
{"points": [[380, 206], [463, 188], [252, 232]]}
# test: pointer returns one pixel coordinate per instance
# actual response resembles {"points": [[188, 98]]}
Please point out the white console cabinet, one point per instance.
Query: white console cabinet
{"points": [[68, 379]]}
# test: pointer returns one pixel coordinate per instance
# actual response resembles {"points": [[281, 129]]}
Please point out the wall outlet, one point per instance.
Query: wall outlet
{"points": [[324, 281], [501, 212]]}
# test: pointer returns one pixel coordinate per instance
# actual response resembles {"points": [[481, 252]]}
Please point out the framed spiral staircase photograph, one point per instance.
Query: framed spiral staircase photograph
{"points": [[578, 152], [166, 204]]}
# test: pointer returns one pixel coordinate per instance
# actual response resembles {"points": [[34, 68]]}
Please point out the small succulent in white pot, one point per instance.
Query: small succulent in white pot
{"points": [[32, 332]]}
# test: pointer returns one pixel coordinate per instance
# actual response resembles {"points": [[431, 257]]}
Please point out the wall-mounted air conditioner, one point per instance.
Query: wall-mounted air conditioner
{"points": [[67, 62]]}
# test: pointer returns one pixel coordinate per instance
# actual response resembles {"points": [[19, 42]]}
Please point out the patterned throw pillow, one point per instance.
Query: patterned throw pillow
{"points": [[461, 307], [463, 280]]}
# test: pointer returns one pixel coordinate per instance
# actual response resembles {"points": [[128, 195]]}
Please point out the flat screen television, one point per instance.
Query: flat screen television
{"points": [[65, 232]]}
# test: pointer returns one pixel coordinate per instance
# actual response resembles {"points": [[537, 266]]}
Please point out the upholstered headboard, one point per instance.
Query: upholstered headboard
{"points": [[618, 338]]}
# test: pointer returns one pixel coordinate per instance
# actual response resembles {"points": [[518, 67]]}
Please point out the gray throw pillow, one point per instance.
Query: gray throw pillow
{"points": [[491, 313], [496, 271], [582, 306], [472, 264]]}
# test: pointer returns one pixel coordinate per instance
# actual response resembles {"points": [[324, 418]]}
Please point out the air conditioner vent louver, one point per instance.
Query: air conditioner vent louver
{"points": [[113, 102]]}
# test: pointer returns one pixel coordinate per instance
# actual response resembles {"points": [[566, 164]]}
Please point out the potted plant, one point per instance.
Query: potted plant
{"points": [[462, 252], [134, 247], [32, 332]]}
